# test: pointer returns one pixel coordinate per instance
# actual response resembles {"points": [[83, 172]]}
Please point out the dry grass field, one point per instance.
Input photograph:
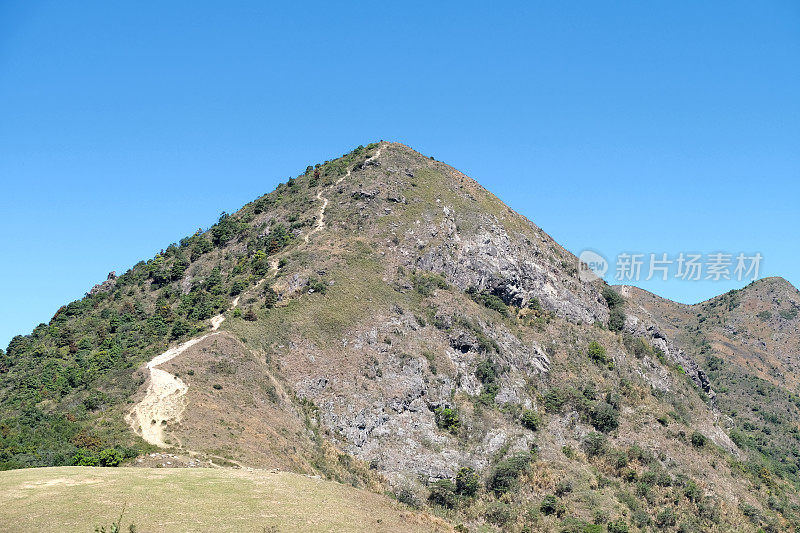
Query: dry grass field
{"points": [[82, 498]]}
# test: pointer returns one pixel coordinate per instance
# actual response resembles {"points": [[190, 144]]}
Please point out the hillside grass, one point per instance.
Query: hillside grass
{"points": [[82, 498]]}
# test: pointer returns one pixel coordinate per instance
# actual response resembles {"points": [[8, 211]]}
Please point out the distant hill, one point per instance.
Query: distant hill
{"points": [[384, 321]]}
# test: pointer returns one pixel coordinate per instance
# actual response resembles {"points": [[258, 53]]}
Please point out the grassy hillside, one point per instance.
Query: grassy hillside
{"points": [[748, 342], [64, 388], [203, 499]]}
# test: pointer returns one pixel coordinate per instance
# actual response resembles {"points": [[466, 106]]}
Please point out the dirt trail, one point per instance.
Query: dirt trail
{"points": [[165, 399], [321, 218]]}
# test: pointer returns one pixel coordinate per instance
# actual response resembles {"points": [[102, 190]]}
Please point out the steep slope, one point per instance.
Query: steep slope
{"points": [[748, 343], [388, 320]]}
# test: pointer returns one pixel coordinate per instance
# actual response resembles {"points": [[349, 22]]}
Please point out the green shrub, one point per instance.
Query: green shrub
{"points": [[708, 509], [594, 444], [407, 496], [555, 399], [238, 286], [443, 492], [486, 372], [467, 482], [613, 299], [692, 492], [489, 300], [499, 513], [618, 526], [600, 517], [270, 297], [315, 285], [531, 420], [788, 314], [597, 353], [616, 320], [85, 458], [496, 304], [698, 439], [110, 457], [179, 329], [447, 419], [563, 487], [604, 417], [637, 346], [549, 505], [666, 518], [425, 283], [505, 474]]}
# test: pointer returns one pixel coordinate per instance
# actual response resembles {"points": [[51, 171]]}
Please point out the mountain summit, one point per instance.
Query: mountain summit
{"points": [[384, 321]]}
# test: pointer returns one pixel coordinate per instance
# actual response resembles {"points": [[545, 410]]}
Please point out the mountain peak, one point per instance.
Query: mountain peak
{"points": [[385, 321]]}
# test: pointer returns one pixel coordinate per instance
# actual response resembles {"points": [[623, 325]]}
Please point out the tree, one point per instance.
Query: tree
{"points": [[238, 286], [214, 281], [277, 238], [616, 320], [178, 268], [486, 372], [224, 230], [259, 263]]}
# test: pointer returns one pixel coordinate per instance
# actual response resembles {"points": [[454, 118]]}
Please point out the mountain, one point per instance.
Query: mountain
{"points": [[748, 344], [384, 321]]}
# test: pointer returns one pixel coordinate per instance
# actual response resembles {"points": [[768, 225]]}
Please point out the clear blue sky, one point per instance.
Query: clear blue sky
{"points": [[639, 126]]}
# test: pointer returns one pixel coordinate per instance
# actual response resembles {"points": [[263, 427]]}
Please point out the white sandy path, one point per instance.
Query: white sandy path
{"points": [[164, 400]]}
